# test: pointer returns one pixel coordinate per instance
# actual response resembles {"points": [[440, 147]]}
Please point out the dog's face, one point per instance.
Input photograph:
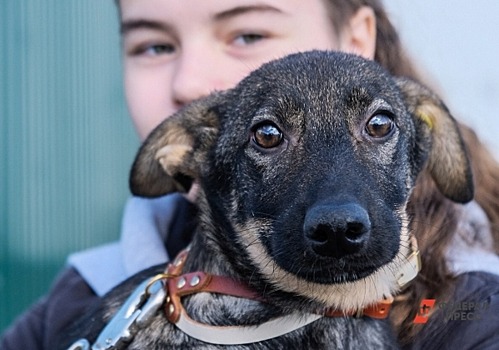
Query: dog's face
{"points": [[306, 168]]}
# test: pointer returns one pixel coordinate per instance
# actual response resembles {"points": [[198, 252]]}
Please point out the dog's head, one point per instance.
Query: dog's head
{"points": [[306, 168]]}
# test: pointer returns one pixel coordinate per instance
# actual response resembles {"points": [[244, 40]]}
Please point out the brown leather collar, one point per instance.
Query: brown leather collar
{"points": [[179, 285]]}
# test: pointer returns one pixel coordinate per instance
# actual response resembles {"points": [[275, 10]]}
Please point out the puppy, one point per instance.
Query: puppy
{"points": [[304, 169]]}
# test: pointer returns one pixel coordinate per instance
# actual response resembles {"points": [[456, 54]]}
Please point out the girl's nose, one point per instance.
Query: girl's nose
{"points": [[197, 74]]}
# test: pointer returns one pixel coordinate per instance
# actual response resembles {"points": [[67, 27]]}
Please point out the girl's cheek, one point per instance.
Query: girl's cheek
{"points": [[148, 100]]}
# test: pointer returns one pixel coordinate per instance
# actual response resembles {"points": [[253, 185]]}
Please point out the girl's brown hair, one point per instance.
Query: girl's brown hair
{"points": [[389, 51]]}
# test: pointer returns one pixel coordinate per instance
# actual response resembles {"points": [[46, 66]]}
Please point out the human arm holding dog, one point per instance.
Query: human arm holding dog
{"points": [[165, 69]]}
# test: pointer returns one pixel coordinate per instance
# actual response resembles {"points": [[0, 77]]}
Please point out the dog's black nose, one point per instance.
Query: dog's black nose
{"points": [[337, 230]]}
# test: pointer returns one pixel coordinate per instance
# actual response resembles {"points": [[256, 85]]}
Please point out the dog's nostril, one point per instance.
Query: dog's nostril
{"points": [[337, 231], [354, 231], [321, 233]]}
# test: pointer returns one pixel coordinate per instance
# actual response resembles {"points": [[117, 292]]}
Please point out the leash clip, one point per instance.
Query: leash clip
{"points": [[135, 314]]}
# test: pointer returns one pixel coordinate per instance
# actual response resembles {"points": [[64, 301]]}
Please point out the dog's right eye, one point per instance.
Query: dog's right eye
{"points": [[267, 135], [380, 125]]}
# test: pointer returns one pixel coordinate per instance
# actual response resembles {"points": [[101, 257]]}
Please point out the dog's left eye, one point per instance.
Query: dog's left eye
{"points": [[267, 135], [379, 126]]}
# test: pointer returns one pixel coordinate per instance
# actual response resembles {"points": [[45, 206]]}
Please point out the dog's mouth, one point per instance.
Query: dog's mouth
{"points": [[325, 263], [333, 271]]}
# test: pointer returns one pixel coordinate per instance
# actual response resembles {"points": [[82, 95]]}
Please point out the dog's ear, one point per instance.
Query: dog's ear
{"points": [[439, 138], [170, 158]]}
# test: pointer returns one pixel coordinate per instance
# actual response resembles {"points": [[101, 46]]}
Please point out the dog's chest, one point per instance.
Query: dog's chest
{"points": [[325, 333]]}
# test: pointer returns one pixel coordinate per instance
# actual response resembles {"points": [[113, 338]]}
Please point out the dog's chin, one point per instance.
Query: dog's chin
{"points": [[325, 270], [354, 289], [328, 276]]}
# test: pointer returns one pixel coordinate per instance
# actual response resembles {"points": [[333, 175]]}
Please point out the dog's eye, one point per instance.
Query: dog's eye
{"points": [[379, 126], [267, 135]]}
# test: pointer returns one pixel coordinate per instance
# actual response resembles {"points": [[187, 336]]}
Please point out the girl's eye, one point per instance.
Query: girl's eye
{"points": [[154, 50], [267, 136], [379, 126], [247, 39], [160, 49]]}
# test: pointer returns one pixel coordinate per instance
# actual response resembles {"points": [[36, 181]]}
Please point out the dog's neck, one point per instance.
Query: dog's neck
{"points": [[179, 284]]}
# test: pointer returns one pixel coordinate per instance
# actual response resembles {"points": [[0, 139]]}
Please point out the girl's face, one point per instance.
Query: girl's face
{"points": [[176, 51]]}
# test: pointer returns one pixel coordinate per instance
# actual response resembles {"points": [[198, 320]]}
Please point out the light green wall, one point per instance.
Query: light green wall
{"points": [[65, 140]]}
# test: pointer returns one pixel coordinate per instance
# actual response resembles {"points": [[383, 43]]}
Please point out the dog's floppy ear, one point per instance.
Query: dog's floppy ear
{"points": [[169, 160], [439, 137]]}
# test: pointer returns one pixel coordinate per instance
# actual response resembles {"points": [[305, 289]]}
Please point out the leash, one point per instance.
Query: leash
{"points": [[168, 288], [136, 313]]}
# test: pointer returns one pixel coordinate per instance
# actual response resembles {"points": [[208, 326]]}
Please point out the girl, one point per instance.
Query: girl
{"points": [[177, 51]]}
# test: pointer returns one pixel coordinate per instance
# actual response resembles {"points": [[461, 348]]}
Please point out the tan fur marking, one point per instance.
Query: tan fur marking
{"points": [[448, 160], [426, 118], [171, 157]]}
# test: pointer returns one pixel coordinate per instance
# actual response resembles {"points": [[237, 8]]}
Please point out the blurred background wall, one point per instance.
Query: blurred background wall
{"points": [[66, 142], [65, 139], [457, 43]]}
